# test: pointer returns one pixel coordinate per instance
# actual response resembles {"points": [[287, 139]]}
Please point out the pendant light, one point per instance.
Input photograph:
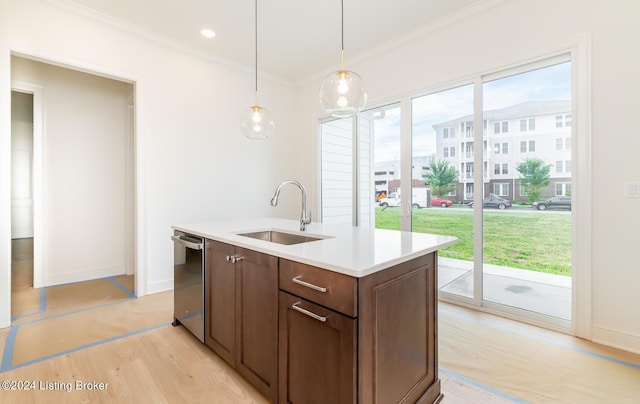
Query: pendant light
{"points": [[342, 93], [256, 121]]}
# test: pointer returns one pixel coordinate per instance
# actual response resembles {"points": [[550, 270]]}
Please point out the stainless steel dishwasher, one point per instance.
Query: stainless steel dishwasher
{"points": [[188, 282]]}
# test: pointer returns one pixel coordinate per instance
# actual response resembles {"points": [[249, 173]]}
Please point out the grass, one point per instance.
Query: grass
{"points": [[536, 241]]}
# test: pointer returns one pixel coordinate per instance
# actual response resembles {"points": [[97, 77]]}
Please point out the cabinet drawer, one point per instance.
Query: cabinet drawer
{"points": [[329, 289]]}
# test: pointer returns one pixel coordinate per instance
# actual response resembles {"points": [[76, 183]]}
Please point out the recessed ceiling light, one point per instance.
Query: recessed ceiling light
{"points": [[207, 33]]}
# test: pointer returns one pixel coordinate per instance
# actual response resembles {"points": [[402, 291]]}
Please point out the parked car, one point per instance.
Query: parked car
{"points": [[557, 202], [445, 203], [493, 201]]}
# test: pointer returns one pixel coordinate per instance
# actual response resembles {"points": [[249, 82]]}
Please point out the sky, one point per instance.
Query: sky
{"points": [[550, 83]]}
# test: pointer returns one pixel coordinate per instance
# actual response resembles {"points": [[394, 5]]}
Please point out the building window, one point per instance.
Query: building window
{"points": [[567, 143], [501, 189], [567, 166], [532, 124], [452, 132], [496, 127], [452, 151], [532, 145], [496, 169], [523, 146], [563, 189], [445, 152], [523, 125], [558, 121], [505, 127], [505, 168], [505, 148], [567, 120], [445, 133], [559, 166], [559, 144]]}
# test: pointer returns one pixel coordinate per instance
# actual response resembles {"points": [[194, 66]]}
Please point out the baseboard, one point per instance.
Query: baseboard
{"points": [[616, 339], [60, 279]]}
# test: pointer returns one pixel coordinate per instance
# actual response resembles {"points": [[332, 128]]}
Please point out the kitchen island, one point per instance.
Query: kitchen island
{"points": [[350, 317]]}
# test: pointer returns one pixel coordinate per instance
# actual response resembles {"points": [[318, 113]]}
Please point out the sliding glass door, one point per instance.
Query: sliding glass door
{"points": [[488, 161]]}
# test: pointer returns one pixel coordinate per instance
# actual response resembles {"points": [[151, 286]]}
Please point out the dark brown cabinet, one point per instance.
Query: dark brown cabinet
{"points": [[303, 335], [359, 340], [317, 353], [241, 302]]}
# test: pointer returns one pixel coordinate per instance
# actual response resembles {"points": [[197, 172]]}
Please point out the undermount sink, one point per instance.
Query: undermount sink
{"points": [[280, 237]]}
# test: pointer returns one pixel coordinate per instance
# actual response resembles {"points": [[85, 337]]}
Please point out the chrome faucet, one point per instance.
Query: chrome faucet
{"points": [[305, 217]]}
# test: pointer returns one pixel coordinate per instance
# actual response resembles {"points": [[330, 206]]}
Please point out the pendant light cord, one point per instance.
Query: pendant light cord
{"points": [[256, 40], [342, 34]]}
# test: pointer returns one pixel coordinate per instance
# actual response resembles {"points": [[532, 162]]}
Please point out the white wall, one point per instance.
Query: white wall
{"points": [[85, 160], [513, 32], [193, 164]]}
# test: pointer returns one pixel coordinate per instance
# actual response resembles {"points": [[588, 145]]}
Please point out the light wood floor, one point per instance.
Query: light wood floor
{"points": [[109, 347]]}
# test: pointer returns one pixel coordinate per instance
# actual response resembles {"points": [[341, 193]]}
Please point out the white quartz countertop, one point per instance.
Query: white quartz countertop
{"points": [[354, 251]]}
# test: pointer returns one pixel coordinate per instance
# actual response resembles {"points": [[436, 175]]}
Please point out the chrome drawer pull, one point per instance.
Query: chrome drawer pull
{"points": [[307, 312], [309, 285]]}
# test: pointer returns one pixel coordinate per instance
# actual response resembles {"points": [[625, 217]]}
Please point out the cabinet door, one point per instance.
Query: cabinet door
{"points": [[220, 297], [257, 320], [398, 334], [317, 354]]}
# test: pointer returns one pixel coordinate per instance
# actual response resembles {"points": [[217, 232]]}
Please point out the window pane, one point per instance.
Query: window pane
{"points": [[431, 114], [337, 171], [527, 253]]}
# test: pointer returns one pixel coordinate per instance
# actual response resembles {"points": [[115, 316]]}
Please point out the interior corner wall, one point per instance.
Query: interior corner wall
{"points": [[514, 32], [84, 184], [192, 162]]}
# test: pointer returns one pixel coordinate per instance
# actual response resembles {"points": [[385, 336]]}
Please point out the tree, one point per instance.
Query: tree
{"points": [[441, 178], [535, 176]]}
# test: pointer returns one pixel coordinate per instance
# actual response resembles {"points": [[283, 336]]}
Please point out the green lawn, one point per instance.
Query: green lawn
{"points": [[537, 241]]}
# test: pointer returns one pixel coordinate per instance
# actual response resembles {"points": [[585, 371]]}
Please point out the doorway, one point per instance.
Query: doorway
{"points": [[74, 187]]}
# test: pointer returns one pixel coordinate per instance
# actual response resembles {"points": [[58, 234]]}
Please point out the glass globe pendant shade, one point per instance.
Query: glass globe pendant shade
{"points": [[342, 94], [257, 123]]}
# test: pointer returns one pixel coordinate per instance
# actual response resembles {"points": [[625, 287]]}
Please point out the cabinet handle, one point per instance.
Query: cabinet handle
{"points": [[233, 258], [309, 285], [307, 312]]}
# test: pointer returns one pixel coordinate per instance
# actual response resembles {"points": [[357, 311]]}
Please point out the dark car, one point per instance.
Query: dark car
{"points": [[557, 202], [445, 203], [493, 201]]}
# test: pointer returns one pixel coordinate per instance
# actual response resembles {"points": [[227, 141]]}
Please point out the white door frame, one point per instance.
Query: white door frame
{"points": [[38, 173], [139, 217]]}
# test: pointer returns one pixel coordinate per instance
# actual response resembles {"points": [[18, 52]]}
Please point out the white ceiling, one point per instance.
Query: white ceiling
{"points": [[297, 38]]}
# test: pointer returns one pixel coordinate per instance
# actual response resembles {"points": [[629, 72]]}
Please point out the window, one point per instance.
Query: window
{"points": [[445, 133], [452, 151], [563, 188], [505, 127], [567, 120], [496, 169], [501, 148], [523, 125], [558, 121], [452, 132], [559, 166], [559, 144], [523, 146], [445, 152], [496, 127], [532, 124], [567, 143], [567, 166], [505, 168], [501, 189]]}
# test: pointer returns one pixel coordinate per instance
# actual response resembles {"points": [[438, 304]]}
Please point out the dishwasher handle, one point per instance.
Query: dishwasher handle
{"points": [[187, 243]]}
